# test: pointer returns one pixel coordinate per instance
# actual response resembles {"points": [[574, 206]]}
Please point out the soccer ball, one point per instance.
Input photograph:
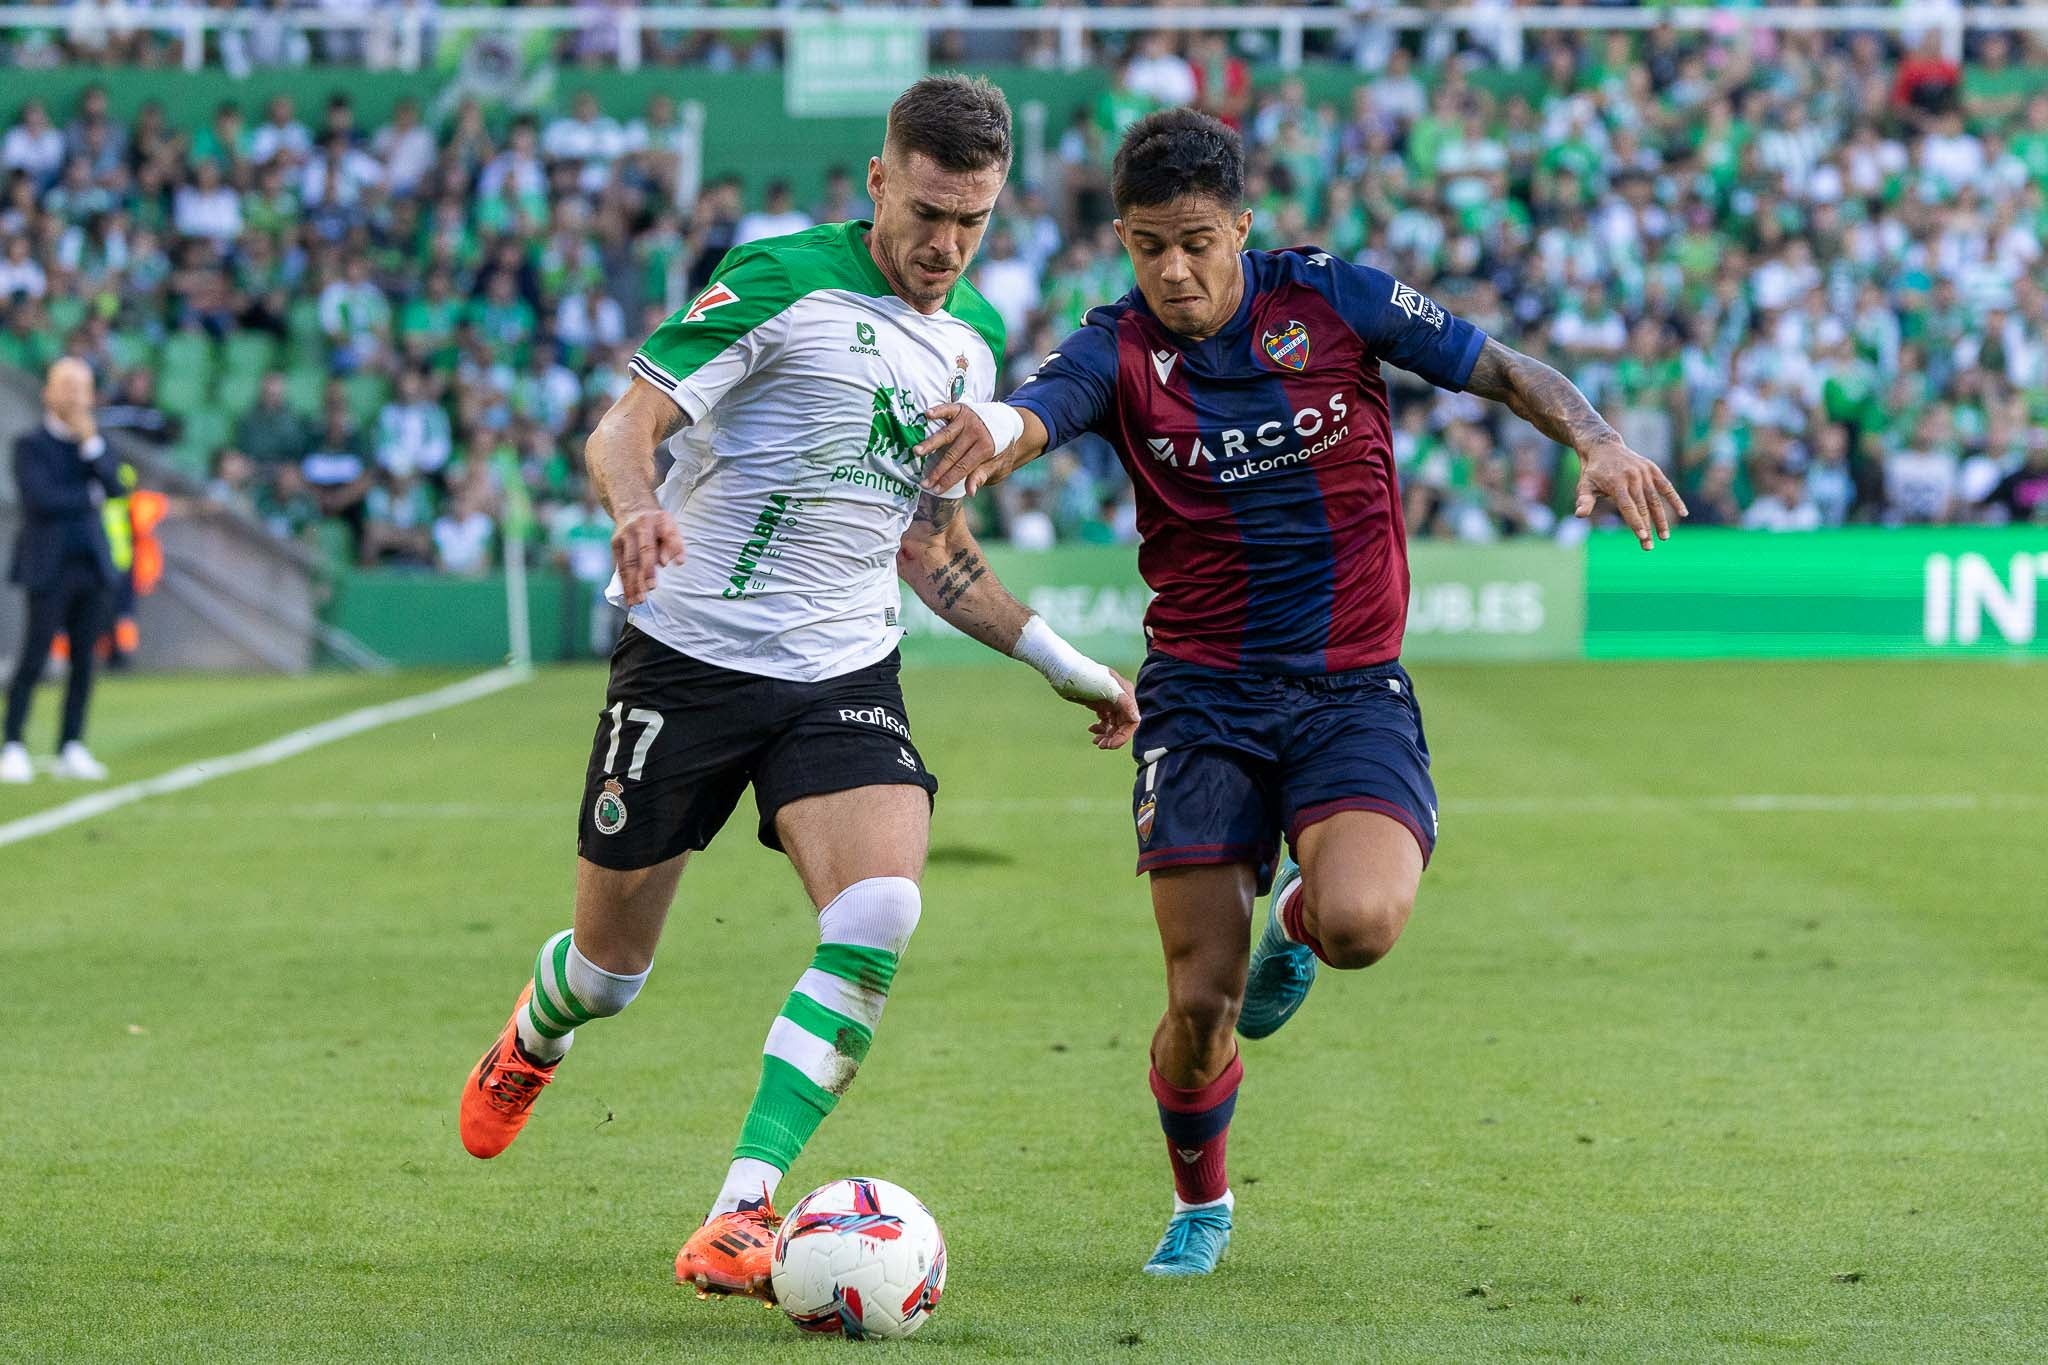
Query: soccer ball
{"points": [[859, 1258]]}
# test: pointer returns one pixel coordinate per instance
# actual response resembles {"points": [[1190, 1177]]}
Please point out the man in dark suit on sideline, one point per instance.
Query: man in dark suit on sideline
{"points": [[63, 472]]}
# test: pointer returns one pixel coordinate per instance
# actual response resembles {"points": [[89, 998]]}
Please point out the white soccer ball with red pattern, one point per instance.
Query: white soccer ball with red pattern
{"points": [[859, 1258]]}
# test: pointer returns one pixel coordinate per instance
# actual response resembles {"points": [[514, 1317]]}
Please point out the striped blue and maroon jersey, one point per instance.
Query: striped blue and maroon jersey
{"points": [[1262, 457]]}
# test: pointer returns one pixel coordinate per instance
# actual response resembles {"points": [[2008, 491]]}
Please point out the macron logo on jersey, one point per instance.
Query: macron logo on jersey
{"points": [[1162, 363], [717, 296], [1418, 306]]}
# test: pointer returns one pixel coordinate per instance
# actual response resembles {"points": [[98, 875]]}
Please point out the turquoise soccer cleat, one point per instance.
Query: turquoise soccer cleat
{"points": [[1281, 971], [1193, 1243]]}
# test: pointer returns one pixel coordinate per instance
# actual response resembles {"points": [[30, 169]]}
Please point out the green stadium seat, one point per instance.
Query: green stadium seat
{"points": [[132, 349], [305, 389], [305, 343], [188, 355], [239, 389], [334, 542], [205, 432], [66, 312], [248, 353], [367, 395], [189, 462], [312, 352], [185, 370], [183, 392], [245, 359]]}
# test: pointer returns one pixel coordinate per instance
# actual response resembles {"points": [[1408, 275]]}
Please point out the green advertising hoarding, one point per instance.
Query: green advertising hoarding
{"points": [[418, 619], [1091, 594], [1515, 601], [1860, 591], [840, 68], [1703, 594]]}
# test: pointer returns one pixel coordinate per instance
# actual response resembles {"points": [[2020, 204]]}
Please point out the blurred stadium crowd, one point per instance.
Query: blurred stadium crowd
{"points": [[1804, 272]]}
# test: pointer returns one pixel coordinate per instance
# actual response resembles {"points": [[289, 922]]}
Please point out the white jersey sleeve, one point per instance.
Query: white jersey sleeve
{"points": [[727, 333]]}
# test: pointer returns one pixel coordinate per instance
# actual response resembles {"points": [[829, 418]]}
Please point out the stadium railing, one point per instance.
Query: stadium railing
{"points": [[402, 32]]}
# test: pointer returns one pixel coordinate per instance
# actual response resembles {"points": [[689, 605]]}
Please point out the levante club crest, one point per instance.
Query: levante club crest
{"points": [[1288, 346]]}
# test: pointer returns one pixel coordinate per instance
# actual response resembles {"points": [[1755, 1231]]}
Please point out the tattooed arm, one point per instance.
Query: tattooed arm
{"points": [[942, 562], [1552, 404], [620, 458]]}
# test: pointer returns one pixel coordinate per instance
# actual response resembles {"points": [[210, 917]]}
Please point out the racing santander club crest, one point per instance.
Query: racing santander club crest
{"points": [[609, 814], [959, 379], [1289, 346]]}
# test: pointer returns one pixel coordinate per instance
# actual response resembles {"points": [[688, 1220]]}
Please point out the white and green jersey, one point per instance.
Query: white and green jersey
{"points": [[805, 380]]}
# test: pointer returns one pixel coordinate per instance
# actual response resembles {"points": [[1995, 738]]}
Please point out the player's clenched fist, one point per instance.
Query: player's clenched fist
{"points": [[642, 543]]}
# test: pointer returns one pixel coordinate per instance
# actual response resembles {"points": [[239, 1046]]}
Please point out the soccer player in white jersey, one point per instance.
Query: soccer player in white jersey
{"points": [[761, 639]]}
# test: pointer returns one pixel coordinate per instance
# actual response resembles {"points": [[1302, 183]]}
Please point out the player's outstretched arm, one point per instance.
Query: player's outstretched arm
{"points": [[620, 458], [942, 562], [1552, 404], [979, 444]]}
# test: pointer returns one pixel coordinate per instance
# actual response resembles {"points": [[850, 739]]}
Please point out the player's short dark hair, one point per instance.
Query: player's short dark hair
{"points": [[961, 122], [1174, 153]]}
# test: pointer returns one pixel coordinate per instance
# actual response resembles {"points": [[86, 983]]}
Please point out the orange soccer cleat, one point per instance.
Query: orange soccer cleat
{"points": [[501, 1090], [731, 1254]]}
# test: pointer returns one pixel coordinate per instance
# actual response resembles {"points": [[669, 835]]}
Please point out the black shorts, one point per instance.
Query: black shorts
{"points": [[1229, 762], [679, 740]]}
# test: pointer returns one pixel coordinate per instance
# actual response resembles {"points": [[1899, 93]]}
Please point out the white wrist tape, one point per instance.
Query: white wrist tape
{"points": [[1072, 674], [1004, 423]]}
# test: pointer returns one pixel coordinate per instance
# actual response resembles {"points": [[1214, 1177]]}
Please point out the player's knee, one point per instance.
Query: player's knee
{"points": [[1205, 1016], [601, 992], [880, 912], [1357, 926]]}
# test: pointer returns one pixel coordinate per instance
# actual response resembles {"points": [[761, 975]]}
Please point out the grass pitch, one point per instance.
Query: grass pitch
{"points": [[1720, 1033]]}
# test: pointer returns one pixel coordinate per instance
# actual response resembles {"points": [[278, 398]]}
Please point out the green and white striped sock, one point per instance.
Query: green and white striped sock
{"points": [[569, 990], [818, 1041]]}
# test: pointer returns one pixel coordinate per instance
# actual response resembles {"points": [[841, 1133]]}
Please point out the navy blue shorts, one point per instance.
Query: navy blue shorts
{"points": [[1228, 762]]}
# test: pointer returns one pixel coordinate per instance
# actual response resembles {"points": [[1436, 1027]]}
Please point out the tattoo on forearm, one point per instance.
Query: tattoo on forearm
{"points": [[1538, 395], [938, 513], [951, 580]]}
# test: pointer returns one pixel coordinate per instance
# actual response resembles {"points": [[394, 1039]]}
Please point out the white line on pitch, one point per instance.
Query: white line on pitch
{"points": [[341, 811], [275, 751], [1751, 803], [1758, 803]]}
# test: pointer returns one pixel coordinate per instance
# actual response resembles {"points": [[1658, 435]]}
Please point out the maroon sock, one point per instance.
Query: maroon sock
{"points": [[1197, 1124], [1293, 918]]}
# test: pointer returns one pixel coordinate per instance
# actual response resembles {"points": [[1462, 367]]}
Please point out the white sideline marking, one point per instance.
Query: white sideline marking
{"points": [[1756, 803], [1753, 804], [326, 812], [275, 751]]}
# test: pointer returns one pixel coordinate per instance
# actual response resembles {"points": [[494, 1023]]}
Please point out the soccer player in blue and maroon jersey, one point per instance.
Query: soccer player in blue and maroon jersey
{"points": [[1242, 391]]}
